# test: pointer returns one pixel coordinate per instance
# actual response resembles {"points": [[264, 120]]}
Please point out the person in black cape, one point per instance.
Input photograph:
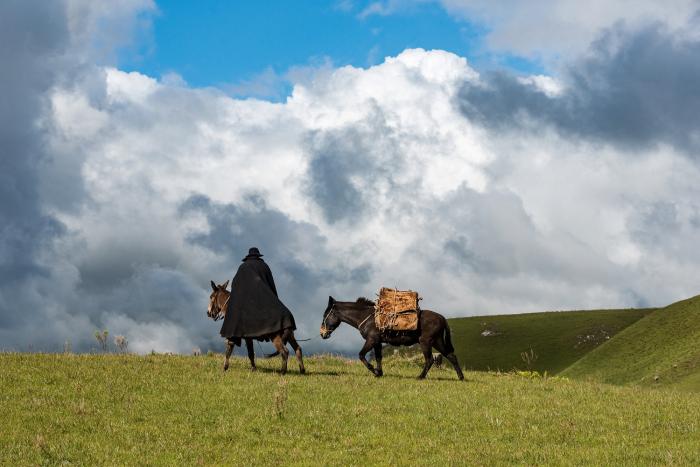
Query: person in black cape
{"points": [[254, 310]]}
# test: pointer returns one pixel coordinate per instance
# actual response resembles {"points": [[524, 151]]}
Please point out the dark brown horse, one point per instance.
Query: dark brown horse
{"points": [[432, 332], [218, 302]]}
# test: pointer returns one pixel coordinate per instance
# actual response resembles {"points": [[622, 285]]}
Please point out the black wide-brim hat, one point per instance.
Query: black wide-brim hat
{"points": [[253, 253]]}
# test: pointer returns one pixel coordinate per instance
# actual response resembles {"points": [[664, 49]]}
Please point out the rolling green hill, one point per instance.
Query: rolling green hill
{"points": [[553, 340], [183, 410], [662, 349]]}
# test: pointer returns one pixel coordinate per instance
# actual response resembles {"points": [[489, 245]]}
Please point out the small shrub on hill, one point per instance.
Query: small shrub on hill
{"points": [[102, 339], [122, 343]]}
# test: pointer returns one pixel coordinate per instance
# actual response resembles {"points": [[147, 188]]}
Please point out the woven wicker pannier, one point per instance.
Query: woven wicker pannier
{"points": [[396, 310]]}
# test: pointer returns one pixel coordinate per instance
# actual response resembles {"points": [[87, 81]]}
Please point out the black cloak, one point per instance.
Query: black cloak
{"points": [[254, 309]]}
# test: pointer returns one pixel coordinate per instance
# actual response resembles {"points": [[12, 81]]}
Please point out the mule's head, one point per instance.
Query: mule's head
{"points": [[218, 300], [331, 320]]}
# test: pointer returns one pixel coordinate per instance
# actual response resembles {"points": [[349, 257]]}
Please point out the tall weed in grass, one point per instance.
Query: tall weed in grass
{"points": [[529, 358], [280, 399]]}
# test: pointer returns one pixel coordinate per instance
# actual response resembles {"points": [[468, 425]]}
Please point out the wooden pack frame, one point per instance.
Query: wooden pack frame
{"points": [[396, 310]]}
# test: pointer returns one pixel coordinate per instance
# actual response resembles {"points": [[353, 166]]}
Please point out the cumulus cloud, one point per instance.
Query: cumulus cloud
{"points": [[125, 195]]}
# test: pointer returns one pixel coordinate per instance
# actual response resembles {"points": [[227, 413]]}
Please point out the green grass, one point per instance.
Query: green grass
{"points": [[662, 349], [145, 410], [558, 339]]}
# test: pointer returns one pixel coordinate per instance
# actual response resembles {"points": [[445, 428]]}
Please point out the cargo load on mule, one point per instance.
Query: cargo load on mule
{"points": [[396, 310]]}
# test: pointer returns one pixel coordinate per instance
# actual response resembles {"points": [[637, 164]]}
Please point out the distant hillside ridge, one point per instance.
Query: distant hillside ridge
{"points": [[544, 342], [661, 349]]}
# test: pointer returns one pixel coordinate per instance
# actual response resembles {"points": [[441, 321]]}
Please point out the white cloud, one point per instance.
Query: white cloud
{"points": [[479, 222], [545, 84]]}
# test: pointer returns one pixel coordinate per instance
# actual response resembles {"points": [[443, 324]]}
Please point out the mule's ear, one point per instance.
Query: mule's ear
{"points": [[331, 300], [225, 285], [213, 286]]}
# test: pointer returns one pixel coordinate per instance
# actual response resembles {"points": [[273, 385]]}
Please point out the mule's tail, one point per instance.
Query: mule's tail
{"points": [[273, 354], [448, 339]]}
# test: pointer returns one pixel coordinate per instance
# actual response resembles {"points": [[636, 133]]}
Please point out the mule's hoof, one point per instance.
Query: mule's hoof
{"points": [[226, 367], [420, 377], [378, 374], [253, 368], [302, 371]]}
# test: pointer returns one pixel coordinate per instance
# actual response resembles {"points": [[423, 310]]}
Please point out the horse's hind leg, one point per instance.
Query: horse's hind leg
{"points": [[426, 348], [453, 360], [450, 356], [297, 350], [229, 351], [278, 342], [251, 353]]}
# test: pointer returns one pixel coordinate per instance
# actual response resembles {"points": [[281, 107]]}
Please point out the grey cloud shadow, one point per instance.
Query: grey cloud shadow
{"points": [[635, 89]]}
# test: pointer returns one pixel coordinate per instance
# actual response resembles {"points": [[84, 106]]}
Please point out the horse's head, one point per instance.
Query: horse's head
{"points": [[218, 300], [331, 320]]}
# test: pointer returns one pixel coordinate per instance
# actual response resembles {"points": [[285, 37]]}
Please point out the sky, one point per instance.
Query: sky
{"points": [[248, 48], [497, 157]]}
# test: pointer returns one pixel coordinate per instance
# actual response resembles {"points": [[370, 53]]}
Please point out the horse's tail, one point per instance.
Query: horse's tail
{"points": [[448, 339], [273, 354]]}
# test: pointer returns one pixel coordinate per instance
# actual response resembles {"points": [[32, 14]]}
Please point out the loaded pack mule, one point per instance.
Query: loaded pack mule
{"points": [[218, 302], [432, 332]]}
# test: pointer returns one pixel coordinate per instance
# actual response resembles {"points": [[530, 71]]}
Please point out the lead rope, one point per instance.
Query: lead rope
{"points": [[224, 309]]}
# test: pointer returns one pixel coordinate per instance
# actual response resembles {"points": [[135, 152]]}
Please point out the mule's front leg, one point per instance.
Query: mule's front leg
{"points": [[378, 358], [363, 352], [251, 353], [229, 350]]}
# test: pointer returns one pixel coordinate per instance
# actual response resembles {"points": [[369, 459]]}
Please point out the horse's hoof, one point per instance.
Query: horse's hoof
{"points": [[253, 368], [225, 367], [302, 371], [378, 374]]}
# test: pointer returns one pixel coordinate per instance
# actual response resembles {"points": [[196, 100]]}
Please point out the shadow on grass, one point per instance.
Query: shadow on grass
{"points": [[295, 372], [427, 378]]}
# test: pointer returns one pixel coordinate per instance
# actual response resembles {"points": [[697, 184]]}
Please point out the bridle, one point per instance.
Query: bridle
{"points": [[323, 324], [221, 308], [359, 326]]}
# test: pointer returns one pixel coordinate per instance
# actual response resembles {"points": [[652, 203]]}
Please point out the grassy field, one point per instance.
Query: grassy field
{"points": [[554, 340], [158, 409], [663, 349]]}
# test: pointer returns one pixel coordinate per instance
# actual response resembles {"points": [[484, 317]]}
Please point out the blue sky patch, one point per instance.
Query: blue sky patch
{"points": [[245, 48]]}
